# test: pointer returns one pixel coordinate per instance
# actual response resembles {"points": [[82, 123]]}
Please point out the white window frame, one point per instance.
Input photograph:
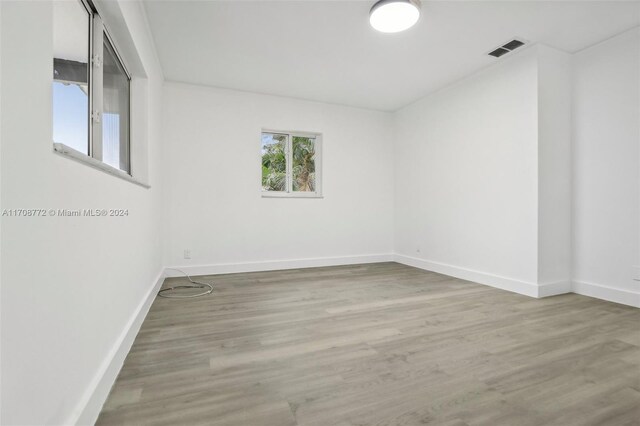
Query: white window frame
{"points": [[98, 31], [289, 193]]}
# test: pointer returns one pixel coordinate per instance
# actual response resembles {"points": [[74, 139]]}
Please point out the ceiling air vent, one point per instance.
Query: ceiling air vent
{"points": [[499, 52], [506, 48]]}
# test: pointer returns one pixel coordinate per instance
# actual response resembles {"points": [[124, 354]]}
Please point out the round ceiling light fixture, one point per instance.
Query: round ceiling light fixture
{"points": [[392, 16]]}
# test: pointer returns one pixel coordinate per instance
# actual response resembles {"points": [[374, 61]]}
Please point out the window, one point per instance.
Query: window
{"points": [[115, 117], [71, 39], [91, 88], [291, 164]]}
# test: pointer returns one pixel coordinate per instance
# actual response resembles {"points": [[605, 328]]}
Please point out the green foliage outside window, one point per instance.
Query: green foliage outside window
{"points": [[274, 163]]}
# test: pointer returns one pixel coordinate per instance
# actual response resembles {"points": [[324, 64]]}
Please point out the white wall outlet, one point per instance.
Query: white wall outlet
{"points": [[417, 249], [187, 254]]}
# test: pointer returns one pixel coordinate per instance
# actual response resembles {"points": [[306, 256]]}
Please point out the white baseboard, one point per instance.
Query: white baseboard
{"points": [[497, 281], [554, 288], [604, 292], [597, 291], [89, 407], [492, 280], [276, 265]]}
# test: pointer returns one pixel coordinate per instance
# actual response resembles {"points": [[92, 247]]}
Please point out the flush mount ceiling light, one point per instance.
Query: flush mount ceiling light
{"points": [[392, 16]]}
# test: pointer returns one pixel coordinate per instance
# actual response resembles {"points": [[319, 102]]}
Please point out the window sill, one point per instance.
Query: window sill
{"points": [[291, 195], [68, 152]]}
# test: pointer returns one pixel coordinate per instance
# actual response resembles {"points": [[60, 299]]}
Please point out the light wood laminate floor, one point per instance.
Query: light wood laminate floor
{"points": [[379, 344]]}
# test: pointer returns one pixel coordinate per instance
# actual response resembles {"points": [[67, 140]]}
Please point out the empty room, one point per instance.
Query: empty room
{"points": [[319, 213]]}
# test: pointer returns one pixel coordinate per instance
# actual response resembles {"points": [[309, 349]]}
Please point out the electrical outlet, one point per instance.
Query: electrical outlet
{"points": [[187, 254], [417, 249]]}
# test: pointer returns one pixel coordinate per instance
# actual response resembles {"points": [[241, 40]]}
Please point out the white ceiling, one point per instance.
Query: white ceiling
{"points": [[326, 50]]}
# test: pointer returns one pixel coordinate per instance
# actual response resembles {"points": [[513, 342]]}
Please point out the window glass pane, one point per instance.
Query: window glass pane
{"points": [[274, 162], [304, 164], [115, 112], [71, 75]]}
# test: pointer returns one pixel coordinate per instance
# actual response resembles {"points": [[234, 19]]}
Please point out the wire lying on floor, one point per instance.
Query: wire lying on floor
{"points": [[166, 292]]}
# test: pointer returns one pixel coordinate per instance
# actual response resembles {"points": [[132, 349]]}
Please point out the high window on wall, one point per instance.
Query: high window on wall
{"points": [[291, 164], [91, 88]]}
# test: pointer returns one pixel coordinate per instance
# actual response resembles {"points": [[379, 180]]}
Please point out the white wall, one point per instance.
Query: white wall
{"points": [[212, 177], [466, 176], [484, 182], [483, 176], [70, 286], [554, 170], [606, 177]]}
